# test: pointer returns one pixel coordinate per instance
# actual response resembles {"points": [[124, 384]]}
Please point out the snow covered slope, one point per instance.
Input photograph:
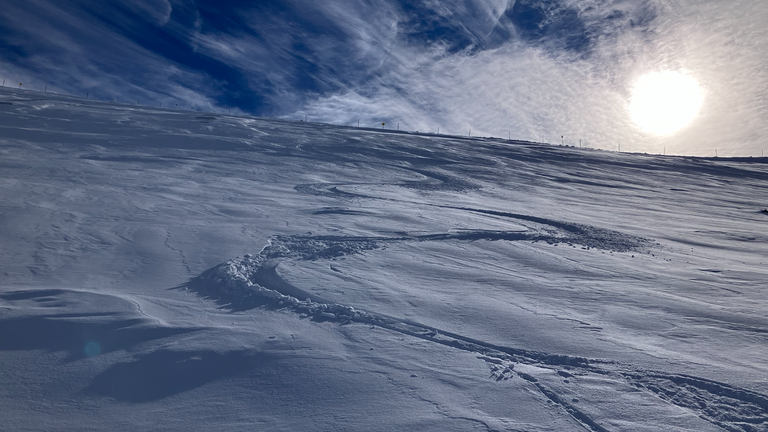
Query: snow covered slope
{"points": [[176, 270]]}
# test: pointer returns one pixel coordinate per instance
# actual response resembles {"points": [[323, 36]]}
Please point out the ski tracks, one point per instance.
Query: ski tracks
{"points": [[252, 281]]}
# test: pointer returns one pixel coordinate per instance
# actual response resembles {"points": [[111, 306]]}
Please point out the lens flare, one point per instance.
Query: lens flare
{"points": [[92, 349], [664, 102]]}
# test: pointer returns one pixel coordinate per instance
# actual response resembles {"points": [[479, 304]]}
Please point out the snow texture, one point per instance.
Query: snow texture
{"points": [[176, 270]]}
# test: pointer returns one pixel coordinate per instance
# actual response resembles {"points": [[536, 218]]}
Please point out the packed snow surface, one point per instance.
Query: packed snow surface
{"points": [[178, 270]]}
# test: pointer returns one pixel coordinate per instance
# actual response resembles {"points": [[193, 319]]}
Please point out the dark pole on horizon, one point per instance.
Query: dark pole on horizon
{"points": [[3, 82], [398, 126], [87, 94], [579, 143], [562, 139], [509, 135], [438, 130], [46, 89], [470, 133], [358, 122], [118, 99]]}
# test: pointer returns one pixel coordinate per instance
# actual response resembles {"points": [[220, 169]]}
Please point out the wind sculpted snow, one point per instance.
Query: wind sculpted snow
{"points": [[198, 271]]}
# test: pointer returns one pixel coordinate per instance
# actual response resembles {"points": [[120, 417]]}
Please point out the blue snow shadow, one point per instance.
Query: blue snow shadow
{"points": [[86, 333], [81, 338], [164, 373]]}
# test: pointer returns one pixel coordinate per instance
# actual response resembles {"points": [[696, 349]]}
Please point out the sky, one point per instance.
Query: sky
{"points": [[557, 71]]}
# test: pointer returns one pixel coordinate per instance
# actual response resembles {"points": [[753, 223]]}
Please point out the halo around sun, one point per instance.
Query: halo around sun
{"points": [[664, 102]]}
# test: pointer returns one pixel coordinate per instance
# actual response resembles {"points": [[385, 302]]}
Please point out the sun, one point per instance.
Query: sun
{"points": [[664, 102]]}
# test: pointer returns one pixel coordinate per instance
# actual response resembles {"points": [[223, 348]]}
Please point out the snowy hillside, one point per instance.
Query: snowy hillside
{"points": [[178, 270]]}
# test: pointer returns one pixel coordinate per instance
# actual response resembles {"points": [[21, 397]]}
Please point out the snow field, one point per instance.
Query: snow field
{"points": [[177, 270]]}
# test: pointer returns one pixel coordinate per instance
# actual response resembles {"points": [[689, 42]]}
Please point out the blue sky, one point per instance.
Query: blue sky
{"points": [[535, 69]]}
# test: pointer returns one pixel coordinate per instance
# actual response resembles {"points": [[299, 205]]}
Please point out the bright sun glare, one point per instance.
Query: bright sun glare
{"points": [[665, 102]]}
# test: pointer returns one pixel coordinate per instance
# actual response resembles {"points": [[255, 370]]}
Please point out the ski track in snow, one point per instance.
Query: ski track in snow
{"points": [[544, 229], [252, 281]]}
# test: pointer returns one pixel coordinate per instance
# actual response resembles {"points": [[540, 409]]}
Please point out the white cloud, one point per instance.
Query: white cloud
{"points": [[358, 49], [157, 12], [540, 95]]}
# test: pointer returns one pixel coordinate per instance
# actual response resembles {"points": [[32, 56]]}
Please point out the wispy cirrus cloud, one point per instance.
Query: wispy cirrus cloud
{"points": [[535, 69], [553, 79]]}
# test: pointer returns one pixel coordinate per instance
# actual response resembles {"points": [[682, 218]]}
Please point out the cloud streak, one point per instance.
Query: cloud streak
{"points": [[535, 69]]}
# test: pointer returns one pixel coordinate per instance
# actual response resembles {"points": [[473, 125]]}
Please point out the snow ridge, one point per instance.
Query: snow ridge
{"points": [[549, 230]]}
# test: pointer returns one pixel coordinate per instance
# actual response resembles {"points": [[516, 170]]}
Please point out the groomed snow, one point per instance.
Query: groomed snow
{"points": [[177, 270]]}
